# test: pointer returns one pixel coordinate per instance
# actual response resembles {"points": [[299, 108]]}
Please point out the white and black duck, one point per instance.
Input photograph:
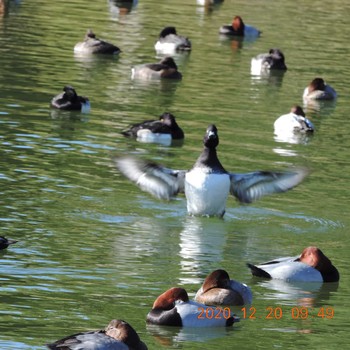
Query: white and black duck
{"points": [[69, 100], [166, 68], [274, 60], [94, 45], [163, 130], [207, 185], [170, 42]]}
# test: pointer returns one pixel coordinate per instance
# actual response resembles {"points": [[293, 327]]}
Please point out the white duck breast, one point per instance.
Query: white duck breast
{"points": [[206, 192], [256, 66], [194, 314], [172, 43], [259, 64], [292, 271], [147, 136]]}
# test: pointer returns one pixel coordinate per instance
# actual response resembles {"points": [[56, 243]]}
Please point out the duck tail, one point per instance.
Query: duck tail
{"points": [[257, 271], [127, 133]]}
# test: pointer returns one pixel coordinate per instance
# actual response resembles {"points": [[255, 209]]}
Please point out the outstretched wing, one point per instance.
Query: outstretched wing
{"points": [[159, 181], [252, 186]]}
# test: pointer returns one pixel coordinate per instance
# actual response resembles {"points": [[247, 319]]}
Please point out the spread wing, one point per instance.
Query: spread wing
{"points": [[159, 181], [252, 186]]}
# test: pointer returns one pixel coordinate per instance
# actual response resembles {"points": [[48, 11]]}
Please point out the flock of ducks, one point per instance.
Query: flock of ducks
{"points": [[206, 186], [169, 42], [174, 308]]}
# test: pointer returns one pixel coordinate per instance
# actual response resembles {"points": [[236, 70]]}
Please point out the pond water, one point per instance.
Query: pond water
{"points": [[92, 246]]}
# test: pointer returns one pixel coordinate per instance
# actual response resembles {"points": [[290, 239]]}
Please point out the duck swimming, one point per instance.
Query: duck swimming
{"points": [[207, 184], [218, 289], [118, 335], [173, 308], [169, 42], [239, 28], [165, 126], [318, 89], [311, 266], [93, 45], [209, 2], [274, 60], [69, 100], [166, 68], [4, 242], [293, 122]]}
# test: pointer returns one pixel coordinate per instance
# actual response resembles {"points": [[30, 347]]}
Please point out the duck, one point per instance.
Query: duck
{"points": [[165, 127], [118, 335], [166, 68], [4, 242], [70, 101], [121, 7], [169, 42], [239, 28], [218, 289], [209, 2], [318, 89], [173, 308], [310, 266], [274, 60], [293, 122], [207, 184], [94, 45]]}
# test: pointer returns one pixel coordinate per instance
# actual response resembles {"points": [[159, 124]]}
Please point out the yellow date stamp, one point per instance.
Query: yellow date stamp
{"points": [[295, 313]]}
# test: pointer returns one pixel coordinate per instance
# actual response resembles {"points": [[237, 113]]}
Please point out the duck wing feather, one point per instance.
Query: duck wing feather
{"points": [[249, 187], [161, 182]]}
